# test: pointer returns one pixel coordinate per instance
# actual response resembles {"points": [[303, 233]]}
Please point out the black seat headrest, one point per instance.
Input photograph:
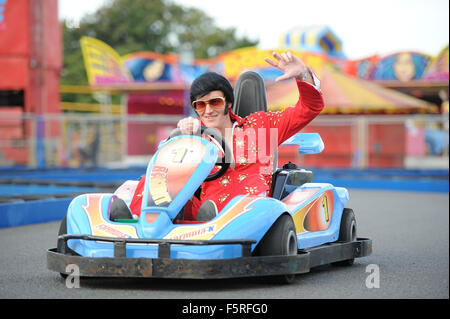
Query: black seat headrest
{"points": [[249, 94]]}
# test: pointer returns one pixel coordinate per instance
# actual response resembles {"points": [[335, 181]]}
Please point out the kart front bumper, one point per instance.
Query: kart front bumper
{"points": [[166, 267]]}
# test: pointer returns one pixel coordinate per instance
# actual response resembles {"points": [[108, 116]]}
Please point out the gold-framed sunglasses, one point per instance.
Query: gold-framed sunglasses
{"points": [[215, 102]]}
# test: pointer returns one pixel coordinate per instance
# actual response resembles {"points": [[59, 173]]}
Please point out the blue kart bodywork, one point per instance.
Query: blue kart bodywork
{"points": [[316, 210]]}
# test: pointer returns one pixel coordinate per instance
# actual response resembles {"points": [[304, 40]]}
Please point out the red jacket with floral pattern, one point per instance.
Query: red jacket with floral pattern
{"points": [[255, 138]]}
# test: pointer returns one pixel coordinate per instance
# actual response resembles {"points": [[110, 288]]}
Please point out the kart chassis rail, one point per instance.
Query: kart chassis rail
{"points": [[166, 267]]}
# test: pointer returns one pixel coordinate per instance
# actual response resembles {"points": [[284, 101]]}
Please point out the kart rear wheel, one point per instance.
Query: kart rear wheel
{"points": [[347, 233], [281, 239]]}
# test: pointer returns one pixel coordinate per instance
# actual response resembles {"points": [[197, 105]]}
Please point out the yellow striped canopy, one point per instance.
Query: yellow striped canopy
{"points": [[344, 94]]}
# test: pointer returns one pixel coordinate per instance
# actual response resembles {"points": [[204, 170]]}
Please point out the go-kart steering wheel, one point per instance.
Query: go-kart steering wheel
{"points": [[214, 134]]}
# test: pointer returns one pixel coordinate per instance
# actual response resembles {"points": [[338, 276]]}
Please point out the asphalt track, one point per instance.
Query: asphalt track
{"points": [[410, 233]]}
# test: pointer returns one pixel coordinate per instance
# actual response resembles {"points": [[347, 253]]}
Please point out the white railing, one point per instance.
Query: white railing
{"points": [[74, 140]]}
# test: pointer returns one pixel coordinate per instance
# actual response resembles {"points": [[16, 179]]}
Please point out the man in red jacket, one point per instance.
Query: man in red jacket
{"points": [[253, 139]]}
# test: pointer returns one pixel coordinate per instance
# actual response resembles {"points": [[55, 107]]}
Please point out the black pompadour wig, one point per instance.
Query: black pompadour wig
{"points": [[211, 81]]}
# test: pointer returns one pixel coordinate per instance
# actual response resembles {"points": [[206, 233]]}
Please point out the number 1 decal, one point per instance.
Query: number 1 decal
{"points": [[325, 208], [179, 154]]}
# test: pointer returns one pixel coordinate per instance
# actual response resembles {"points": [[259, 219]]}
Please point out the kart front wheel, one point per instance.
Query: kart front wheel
{"points": [[281, 239], [62, 231], [347, 233]]}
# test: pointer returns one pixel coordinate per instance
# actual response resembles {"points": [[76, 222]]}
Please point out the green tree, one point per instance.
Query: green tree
{"points": [[143, 25]]}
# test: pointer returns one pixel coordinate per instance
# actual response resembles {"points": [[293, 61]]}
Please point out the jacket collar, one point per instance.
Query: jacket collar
{"points": [[235, 118]]}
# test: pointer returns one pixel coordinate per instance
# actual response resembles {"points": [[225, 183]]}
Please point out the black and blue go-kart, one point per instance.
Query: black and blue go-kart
{"points": [[298, 226]]}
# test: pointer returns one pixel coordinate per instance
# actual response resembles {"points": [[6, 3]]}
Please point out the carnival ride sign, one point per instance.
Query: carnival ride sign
{"points": [[103, 64]]}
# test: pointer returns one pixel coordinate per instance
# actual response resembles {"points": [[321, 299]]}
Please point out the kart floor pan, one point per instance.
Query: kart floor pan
{"points": [[247, 266]]}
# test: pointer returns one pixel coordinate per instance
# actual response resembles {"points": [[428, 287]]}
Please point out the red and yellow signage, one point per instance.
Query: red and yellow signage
{"points": [[314, 216], [252, 58], [168, 177], [99, 225], [208, 230], [103, 64]]}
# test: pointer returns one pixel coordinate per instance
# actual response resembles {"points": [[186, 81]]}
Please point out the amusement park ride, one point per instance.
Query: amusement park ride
{"points": [[156, 84]]}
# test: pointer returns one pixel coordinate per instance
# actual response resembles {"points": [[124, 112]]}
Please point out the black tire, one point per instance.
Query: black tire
{"points": [[62, 228], [347, 233], [62, 231], [281, 239]]}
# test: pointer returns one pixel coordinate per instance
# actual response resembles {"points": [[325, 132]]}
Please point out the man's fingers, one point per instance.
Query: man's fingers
{"points": [[195, 127], [272, 63], [276, 56], [285, 58], [290, 56], [188, 125], [187, 130]]}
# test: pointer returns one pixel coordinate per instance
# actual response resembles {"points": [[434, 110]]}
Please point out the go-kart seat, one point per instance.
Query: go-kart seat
{"points": [[249, 94]]}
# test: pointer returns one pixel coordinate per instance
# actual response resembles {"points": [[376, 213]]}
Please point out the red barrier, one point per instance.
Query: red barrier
{"points": [[386, 147], [31, 53], [31, 61]]}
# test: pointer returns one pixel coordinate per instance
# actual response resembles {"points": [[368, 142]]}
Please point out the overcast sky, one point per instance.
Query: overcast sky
{"points": [[364, 27]]}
